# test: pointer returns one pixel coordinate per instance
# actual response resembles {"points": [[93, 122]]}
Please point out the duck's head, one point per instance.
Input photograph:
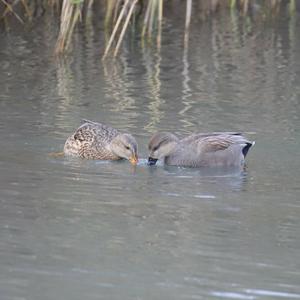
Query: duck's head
{"points": [[161, 145], [125, 146]]}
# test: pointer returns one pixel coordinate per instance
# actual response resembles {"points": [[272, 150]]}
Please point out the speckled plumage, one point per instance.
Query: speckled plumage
{"points": [[215, 149], [94, 141]]}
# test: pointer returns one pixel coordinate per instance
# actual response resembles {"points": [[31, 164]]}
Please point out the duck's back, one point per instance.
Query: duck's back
{"points": [[91, 140]]}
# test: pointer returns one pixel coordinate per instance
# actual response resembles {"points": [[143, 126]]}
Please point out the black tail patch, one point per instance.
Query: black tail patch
{"points": [[246, 148]]}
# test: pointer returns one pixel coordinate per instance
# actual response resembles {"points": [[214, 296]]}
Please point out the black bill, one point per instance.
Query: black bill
{"points": [[152, 161]]}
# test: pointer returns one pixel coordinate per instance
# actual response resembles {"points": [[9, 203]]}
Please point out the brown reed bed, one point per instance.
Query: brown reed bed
{"points": [[120, 14]]}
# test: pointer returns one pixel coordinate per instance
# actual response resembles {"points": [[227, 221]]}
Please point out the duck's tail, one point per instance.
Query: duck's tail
{"points": [[87, 121], [56, 154], [247, 147]]}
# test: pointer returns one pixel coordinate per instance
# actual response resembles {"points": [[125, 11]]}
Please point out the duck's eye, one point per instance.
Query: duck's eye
{"points": [[155, 148], [127, 147]]}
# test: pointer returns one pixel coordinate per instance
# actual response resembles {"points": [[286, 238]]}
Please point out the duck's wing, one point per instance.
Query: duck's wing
{"points": [[198, 136], [83, 121], [93, 139], [92, 132], [213, 143], [220, 150], [211, 150]]}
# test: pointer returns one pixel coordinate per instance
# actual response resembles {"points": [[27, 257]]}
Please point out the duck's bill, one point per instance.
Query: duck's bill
{"points": [[134, 160], [152, 161]]}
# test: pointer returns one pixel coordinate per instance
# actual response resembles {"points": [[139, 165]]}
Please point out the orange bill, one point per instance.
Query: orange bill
{"points": [[134, 159]]}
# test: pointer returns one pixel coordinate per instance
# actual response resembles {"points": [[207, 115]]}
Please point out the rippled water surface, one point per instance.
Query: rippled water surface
{"points": [[74, 229]]}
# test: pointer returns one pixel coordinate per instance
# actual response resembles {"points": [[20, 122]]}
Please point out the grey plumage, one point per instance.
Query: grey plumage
{"points": [[217, 149], [94, 140]]}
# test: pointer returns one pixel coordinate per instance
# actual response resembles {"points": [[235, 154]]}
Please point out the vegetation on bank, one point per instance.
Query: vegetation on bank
{"points": [[120, 14]]}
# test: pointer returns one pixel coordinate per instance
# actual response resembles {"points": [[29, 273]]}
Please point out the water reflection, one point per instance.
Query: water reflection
{"points": [[187, 92], [116, 76], [153, 80]]}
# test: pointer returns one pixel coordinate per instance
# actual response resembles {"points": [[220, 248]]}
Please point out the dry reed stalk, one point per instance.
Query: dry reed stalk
{"points": [[65, 19], [9, 8], [90, 4], [151, 18], [292, 6], [109, 11], [232, 4], [187, 21], [112, 37], [116, 9], [245, 6], [146, 18], [125, 27], [154, 10], [159, 21], [70, 14], [52, 3], [75, 18], [55, 4], [27, 10]]}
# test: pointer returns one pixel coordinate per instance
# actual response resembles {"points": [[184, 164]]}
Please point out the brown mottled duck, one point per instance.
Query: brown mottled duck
{"points": [[98, 141]]}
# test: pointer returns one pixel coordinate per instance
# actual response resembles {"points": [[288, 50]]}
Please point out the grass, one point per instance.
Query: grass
{"points": [[120, 14]]}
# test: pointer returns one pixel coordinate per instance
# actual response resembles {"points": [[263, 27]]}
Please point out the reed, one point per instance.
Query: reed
{"points": [[116, 27], [119, 15], [9, 8], [70, 14]]}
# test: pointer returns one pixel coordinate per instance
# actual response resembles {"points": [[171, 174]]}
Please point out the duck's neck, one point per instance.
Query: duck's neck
{"points": [[173, 151]]}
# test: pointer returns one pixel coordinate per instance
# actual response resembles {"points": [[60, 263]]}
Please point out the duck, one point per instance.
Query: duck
{"points": [[94, 140], [216, 149]]}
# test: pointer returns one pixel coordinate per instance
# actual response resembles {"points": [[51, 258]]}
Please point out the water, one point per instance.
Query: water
{"points": [[73, 229]]}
